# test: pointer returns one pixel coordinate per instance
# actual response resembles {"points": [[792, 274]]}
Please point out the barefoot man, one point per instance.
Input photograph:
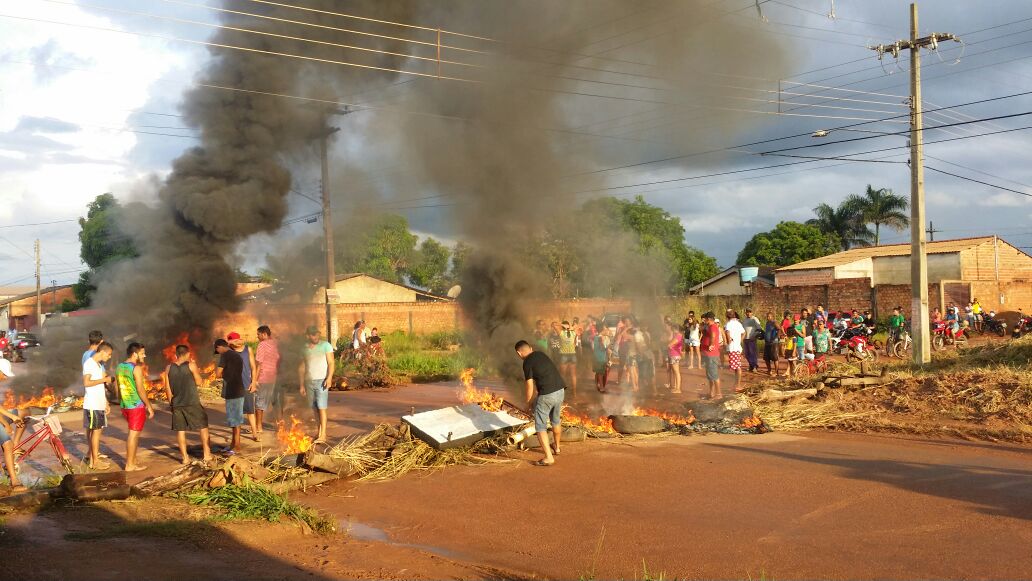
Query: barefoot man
{"points": [[316, 375], [136, 408], [543, 377], [181, 381], [95, 406]]}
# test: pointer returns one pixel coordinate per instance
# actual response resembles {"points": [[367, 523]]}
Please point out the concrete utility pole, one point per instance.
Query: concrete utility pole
{"points": [[331, 270], [39, 303], [918, 256]]}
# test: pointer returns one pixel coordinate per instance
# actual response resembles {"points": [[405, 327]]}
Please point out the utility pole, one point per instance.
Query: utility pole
{"points": [[39, 303], [331, 270], [931, 231], [918, 244], [53, 295]]}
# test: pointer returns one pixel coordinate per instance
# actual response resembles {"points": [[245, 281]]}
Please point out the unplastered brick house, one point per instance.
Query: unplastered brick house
{"points": [[998, 274]]}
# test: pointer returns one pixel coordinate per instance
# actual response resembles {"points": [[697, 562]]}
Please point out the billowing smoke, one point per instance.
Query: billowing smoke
{"points": [[493, 156]]}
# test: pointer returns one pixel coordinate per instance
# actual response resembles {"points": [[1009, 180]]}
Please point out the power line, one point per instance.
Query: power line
{"points": [[978, 181], [39, 223], [978, 171], [240, 48]]}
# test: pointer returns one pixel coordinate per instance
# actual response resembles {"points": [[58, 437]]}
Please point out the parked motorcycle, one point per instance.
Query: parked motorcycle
{"points": [[854, 344], [1024, 325], [991, 324]]}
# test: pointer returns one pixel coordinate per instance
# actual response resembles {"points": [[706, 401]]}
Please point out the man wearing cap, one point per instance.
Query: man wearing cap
{"points": [[316, 374], [250, 381], [231, 371]]}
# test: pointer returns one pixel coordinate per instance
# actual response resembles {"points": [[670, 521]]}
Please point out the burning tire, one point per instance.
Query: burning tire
{"points": [[638, 424], [570, 434]]}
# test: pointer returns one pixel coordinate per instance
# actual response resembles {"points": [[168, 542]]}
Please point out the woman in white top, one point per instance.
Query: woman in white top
{"points": [[692, 341]]}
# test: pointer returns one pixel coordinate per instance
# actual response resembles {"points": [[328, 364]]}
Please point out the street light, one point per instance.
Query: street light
{"points": [[826, 132]]}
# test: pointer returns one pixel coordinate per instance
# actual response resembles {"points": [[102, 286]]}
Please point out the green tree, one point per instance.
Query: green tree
{"points": [[659, 235], [845, 221], [882, 207], [102, 243], [788, 243], [430, 266], [383, 248]]}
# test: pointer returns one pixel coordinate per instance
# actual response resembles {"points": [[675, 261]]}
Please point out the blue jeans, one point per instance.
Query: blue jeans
{"points": [[548, 408], [235, 412], [318, 396]]}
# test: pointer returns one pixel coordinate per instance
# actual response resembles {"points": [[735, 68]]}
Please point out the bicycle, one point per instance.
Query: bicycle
{"points": [[46, 429], [814, 366], [901, 345]]}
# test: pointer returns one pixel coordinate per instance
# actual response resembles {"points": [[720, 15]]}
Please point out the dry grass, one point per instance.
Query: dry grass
{"points": [[376, 457], [984, 392]]}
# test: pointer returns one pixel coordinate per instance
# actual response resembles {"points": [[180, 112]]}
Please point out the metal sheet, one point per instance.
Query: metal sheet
{"points": [[459, 425]]}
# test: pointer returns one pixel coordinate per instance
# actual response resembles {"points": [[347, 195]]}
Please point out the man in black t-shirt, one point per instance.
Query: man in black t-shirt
{"points": [[231, 371], [545, 392]]}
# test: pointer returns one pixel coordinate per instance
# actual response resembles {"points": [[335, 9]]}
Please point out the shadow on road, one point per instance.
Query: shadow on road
{"points": [[998, 491]]}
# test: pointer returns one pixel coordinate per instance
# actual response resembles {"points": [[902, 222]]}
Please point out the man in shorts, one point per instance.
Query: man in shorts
{"points": [[545, 394], [231, 371], [266, 359], [136, 407], [8, 448], [95, 406], [710, 347], [568, 356], [181, 380], [734, 335], [316, 374]]}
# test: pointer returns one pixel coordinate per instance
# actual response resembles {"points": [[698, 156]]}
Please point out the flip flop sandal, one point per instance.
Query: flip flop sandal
{"points": [[555, 451], [543, 463]]}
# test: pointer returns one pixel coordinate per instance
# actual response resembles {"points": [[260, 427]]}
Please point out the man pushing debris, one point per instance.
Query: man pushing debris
{"points": [[543, 377]]}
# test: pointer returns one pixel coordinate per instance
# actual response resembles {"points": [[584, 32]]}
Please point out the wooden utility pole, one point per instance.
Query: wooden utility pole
{"points": [[39, 303], [931, 231], [918, 243]]}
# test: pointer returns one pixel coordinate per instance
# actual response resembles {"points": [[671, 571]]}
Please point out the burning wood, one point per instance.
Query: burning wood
{"points": [[602, 424], [295, 440], [751, 422]]}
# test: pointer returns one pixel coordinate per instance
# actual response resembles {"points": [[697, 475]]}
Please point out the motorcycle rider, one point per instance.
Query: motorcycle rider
{"points": [[896, 322]]}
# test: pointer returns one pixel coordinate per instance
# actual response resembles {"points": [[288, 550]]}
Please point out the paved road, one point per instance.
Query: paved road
{"points": [[780, 506]]}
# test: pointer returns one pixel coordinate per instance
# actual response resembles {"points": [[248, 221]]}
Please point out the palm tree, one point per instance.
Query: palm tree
{"points": [[882, 207], [846, 222]]}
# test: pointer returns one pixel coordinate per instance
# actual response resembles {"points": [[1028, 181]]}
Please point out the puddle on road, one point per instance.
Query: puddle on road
{"points": [[364, 532]]}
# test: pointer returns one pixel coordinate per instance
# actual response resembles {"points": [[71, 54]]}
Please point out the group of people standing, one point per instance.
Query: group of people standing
{"points": [[251, 387]]}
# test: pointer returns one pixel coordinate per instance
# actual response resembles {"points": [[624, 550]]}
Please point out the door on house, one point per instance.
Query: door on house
{"points": [[958, 293]]}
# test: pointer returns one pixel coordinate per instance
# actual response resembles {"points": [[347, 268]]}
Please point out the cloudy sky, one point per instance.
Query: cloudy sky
{"points": [[90, 106]]}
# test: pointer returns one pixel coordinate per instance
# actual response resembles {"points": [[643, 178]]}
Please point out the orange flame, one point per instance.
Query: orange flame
{"points": [[470, 394], [295, 440], [753, 422], [44, 400], [602, 424], [170, 351], [675, 419], [9, 401]]}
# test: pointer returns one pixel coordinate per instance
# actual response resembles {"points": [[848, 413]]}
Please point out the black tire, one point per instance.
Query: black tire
{"points": [[1000, 332], [938, 342]]}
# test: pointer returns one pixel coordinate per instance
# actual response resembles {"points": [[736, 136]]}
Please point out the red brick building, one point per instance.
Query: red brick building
{"points": [[878, 278]]}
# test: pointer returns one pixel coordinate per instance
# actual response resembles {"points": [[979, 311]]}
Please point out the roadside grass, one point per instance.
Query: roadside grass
{"points": [[431, 357], [254, 501]]}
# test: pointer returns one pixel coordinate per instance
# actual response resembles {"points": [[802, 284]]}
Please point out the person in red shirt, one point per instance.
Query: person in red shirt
{"points": [[710, 349]]}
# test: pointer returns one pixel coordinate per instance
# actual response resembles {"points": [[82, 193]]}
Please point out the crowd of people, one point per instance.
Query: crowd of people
{"points": [[641, 355], [251, 380]]}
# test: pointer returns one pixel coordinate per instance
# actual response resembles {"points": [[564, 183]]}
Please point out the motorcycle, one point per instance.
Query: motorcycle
{"points": [[943, 335], [1024, 325], [853, 343], [990, 324]]}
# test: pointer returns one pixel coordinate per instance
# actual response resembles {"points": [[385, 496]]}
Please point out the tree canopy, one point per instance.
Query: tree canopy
{"points": [[102, 243], [788, 243], [845, 222], [881, 207]]}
